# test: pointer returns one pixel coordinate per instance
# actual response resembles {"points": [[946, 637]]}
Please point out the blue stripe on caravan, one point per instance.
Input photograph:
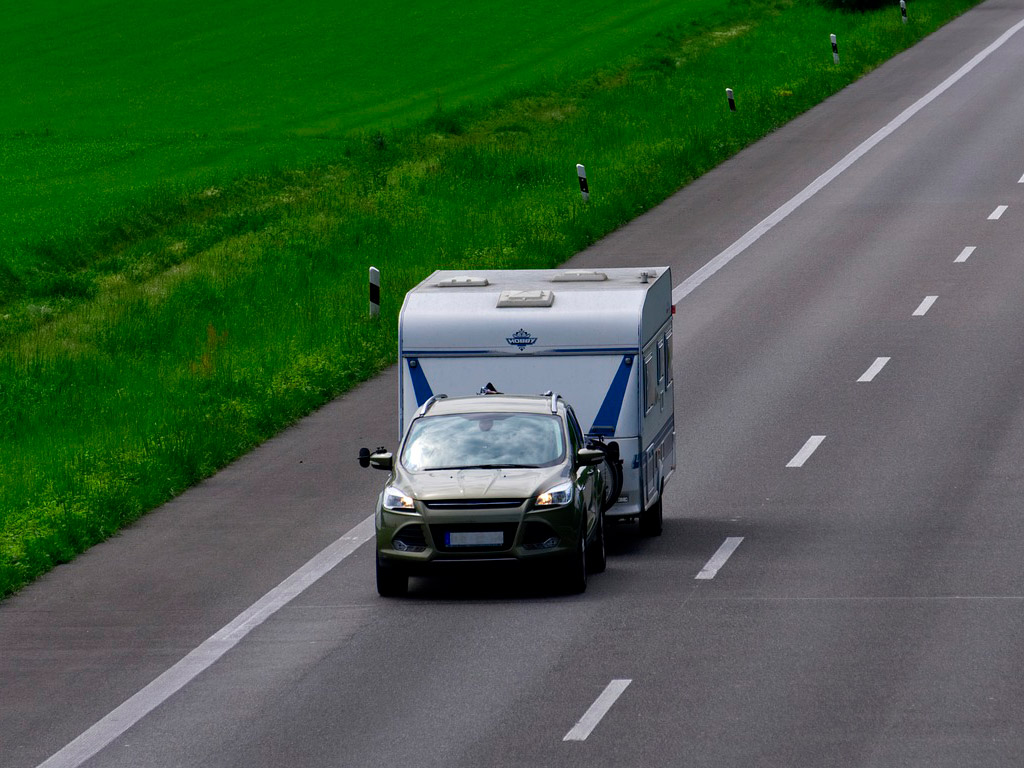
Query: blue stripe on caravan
{"points": [[511, 352], [420, 385], [446, 352], [608, 415], [593, 350]]}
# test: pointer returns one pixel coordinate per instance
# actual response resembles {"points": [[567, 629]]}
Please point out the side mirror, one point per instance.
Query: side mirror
{"points": [[379, 459], [589, 457], [382, 460]]}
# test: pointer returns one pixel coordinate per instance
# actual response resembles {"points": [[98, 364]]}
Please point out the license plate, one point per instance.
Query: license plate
{"points": [[474, 538]]}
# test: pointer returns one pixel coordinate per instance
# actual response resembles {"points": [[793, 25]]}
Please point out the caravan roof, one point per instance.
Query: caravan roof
{"points": [[531, 311]]}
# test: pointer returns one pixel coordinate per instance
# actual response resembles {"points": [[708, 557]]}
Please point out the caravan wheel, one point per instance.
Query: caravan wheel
{"points": [[651, 518]]}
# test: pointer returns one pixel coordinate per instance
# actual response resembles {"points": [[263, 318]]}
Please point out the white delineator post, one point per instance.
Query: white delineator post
{"points": [[374, 292], [584, 189], [903, 10], [732, 101], [835, 49]]}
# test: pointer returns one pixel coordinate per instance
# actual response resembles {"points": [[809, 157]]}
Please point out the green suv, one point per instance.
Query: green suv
{"points": [[490, 477]]}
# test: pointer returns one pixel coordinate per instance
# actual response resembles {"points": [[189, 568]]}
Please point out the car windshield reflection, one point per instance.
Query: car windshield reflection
{"points": [[484, 441]]}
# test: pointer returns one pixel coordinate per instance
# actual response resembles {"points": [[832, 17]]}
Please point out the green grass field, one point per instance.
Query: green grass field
{"points": [[111, 104], [164, 311]]}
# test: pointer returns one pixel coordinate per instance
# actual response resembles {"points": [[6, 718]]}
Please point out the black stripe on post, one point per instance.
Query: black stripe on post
{"points": [[584, 189], [835, 49], [374, 291], [732, 101], [903, 10]]}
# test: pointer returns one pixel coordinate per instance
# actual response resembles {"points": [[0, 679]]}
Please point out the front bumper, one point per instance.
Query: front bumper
{"points": [[436, 536]]}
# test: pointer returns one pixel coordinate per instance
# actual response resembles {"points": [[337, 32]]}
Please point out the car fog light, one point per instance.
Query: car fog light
{"points": [[549, 543], [400, 545]]}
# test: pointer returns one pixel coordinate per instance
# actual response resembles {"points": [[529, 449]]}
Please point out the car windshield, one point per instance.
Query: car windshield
{"points": [[485, 441]]}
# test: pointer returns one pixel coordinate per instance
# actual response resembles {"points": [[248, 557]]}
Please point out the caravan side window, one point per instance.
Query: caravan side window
{"points": [[668, 359], [650, 384], [661, 366]]}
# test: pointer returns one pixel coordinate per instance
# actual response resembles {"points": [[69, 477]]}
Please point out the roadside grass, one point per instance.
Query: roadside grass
{"points": [[113, 109], [210, 321]]}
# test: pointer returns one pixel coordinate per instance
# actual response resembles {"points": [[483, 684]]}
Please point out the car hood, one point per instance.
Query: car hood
{"points": [[468, 484]]}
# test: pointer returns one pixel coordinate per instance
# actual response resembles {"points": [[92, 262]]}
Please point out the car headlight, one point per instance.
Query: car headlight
{"points": [[398, 500], [558, 495]]}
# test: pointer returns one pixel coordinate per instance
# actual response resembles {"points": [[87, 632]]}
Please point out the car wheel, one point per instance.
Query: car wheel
{"points": [[574, 577], [391, 582], [651, 518], [597, 557]]}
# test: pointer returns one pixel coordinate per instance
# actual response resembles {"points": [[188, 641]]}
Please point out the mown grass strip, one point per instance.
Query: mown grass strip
{"points": [[216, 321], [112, 104]]}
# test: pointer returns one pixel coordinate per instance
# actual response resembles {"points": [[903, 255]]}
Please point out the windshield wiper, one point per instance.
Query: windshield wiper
{"points": [[499, 466]]}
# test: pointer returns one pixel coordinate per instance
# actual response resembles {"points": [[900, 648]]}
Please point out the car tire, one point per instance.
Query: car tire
{"points": [[574, 575], [597, 556], [651, 518], [391, 582]]}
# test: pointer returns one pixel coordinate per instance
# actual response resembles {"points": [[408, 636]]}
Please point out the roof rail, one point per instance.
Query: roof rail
{"points": [[430, 401], [555, 397]]}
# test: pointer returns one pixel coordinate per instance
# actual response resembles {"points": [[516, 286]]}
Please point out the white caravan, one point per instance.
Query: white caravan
{"points": [[602, 339]]}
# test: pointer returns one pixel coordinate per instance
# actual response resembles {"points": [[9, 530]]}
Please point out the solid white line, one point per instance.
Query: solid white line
{"points": [[998, 212], [719, 558], [805, 453], [924, 306], [965, 254], [597, 710], [695, 280], [873, 371], [175, 678]]}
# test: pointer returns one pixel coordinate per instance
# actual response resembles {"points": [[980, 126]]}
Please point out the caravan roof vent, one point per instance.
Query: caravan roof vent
{"points": [[541, 298], [579, 276], [463, 281]]}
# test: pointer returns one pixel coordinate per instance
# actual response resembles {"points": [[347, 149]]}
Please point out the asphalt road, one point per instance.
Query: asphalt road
{"points": [[850, 427]]}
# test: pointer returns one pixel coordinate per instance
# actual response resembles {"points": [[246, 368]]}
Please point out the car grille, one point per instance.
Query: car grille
{"points": [[507, 531], [474, 504]]}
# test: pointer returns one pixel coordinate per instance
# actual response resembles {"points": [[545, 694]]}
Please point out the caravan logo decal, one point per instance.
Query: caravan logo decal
{"points": [[521, 339]]}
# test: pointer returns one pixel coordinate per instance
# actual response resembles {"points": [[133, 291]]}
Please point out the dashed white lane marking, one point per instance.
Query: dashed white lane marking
{"points": [[805, 453], [924, 306], [965, 254], [175, 678], [719, 558], [999, 211], [597, 710], [1020, 180], [694, 281], [874, 369]]}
